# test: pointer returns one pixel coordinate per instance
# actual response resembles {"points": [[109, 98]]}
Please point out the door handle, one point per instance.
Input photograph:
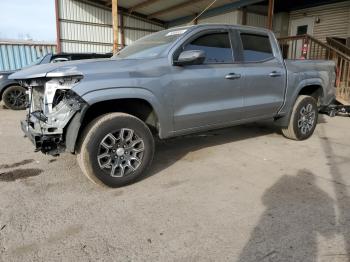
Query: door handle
{"points": [[275, 74], [232, 76]]}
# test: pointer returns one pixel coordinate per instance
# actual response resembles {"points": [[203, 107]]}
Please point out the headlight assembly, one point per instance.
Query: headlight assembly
{"points": [[55, 87]]}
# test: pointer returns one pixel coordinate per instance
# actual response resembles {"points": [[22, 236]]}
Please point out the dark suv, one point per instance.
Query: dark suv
{"points": [[14, 96]]}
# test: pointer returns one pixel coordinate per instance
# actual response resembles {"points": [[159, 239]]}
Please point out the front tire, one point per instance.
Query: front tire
{"points": [[15, 98], [116, 150], [303, 120]]}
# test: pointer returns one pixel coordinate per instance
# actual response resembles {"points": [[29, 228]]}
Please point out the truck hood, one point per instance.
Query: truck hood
{"points": [[83, 68], [7, 72]]}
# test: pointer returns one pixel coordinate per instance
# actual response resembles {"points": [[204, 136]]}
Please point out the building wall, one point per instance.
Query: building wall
{"points": [[233, 17], [86, 27], [281, 24], [17, 54], [256, 20], [334, 19]]}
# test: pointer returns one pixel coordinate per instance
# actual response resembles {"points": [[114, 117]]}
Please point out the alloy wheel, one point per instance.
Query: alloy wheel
{"points": [[17, 98], [120, 153], [307, 118]]}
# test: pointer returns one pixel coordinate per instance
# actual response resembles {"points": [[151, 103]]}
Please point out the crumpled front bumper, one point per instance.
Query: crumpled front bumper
{"points": [[31, 134], [46, 143], [47, 132]]}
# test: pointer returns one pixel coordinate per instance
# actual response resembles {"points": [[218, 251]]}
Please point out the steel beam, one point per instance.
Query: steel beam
{"points": [[58, 27], [270, 14], [244, 15], [122, 34]]}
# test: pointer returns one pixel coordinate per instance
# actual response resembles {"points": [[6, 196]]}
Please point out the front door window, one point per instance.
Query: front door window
{"points": [[217, 47], [302, 30]]}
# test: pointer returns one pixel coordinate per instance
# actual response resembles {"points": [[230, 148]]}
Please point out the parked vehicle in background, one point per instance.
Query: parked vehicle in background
{"points": [[14, 95], [170, 83]]}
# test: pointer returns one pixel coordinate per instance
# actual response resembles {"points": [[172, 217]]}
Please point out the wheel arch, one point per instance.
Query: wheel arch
{"points": [[137, 107], [313, 88], [97, 105]]}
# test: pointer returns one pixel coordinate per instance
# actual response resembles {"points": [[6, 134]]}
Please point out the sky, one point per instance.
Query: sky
{"points": [[23, 19]]}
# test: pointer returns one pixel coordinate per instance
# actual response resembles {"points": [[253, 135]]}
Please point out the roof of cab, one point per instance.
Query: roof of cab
{"points": [[258, 29]]}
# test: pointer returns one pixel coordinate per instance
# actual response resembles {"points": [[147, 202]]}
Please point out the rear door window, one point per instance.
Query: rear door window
{"points": [[217, 47], [256, 47]]}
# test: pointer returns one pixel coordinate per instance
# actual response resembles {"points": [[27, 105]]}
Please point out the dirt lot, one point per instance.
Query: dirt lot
{"points": [[239, 194]]}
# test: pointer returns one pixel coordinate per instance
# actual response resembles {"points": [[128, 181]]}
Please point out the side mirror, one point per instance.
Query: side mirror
{"points": [[190, 57], [60, 59]]}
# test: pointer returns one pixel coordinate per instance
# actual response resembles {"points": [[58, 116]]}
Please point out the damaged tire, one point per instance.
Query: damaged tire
{"points": [[15, 98], [116, 150], [303, 120]]}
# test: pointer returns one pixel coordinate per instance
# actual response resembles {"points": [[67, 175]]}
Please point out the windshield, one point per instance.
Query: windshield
{"points": [[150, 46]]}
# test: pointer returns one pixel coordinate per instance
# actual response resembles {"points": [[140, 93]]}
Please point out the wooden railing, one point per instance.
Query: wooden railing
{"points": [[308, 47], [334, 42]]}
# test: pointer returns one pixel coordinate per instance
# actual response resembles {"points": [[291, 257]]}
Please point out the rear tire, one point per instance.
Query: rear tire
{"points": [[116, 150], [15, 98], [303, 120]]}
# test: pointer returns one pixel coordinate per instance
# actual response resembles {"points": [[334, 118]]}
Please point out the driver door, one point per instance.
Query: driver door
{"points": [[208, 94]]}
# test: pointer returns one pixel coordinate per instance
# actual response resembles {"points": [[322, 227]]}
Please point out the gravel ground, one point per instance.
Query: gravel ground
{"points": [[238, 194]]}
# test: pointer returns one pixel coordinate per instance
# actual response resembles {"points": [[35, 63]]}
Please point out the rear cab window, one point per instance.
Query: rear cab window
{"points": [[217, 47], [256, 47]]}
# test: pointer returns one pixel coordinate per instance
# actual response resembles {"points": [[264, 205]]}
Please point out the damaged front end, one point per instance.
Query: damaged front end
{"points": [[52, 104]]}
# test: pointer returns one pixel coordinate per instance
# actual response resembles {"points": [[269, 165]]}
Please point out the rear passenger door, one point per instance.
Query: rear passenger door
{"points": [[264, 75]]}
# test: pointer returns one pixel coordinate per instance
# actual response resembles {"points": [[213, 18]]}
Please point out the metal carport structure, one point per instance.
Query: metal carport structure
{"points": [[78, 20], [100, 25]]}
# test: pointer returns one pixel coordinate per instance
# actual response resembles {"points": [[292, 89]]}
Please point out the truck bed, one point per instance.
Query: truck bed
{"points": [[309, 72]]}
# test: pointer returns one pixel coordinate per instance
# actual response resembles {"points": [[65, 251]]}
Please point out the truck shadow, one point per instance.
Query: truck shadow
{"points": [[297, 211], [172, 150]]}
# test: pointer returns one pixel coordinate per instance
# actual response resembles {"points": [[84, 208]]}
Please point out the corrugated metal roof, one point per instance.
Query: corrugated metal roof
{"points": [[161, 5], [188, 7], [24, 42], [191, 7], [86, 26]]}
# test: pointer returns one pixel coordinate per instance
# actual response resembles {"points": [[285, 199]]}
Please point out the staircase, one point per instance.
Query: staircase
{"points": [[308, 47]]}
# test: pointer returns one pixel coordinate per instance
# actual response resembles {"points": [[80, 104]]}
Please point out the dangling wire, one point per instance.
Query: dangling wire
{"points": [[205, 9]]}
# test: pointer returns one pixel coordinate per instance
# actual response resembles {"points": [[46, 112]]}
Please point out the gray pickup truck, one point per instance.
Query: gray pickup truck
{"points": [[170, 83]]}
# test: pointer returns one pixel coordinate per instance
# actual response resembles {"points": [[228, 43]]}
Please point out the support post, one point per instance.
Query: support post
{"points": [[270, 14], [58, 29], [122, 34], [244, 15], [115, 25]]}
